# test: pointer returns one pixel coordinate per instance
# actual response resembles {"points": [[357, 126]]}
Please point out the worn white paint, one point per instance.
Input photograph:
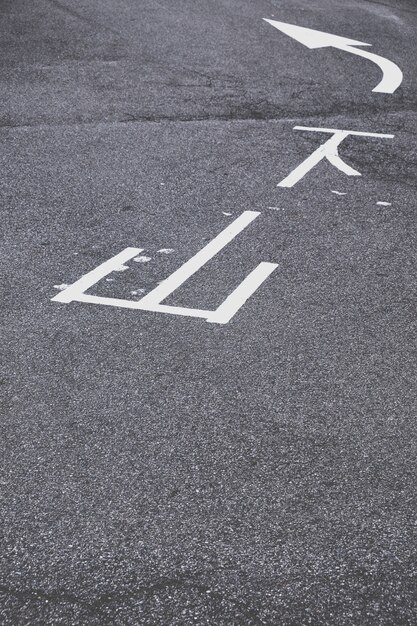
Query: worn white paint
{"points": [[392, 76], [329, 151], [153, 300], [142, 259], [166, 251], [76, 290]]}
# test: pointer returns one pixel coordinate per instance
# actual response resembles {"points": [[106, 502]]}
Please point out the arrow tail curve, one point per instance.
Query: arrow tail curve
{"points": [[392, 75]]}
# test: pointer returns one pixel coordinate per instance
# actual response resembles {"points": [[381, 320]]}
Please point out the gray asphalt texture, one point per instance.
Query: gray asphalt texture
{"points": [[158, 469]]}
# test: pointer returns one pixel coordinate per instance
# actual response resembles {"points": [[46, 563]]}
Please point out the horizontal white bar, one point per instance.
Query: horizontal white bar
{"points": [[339, 130]]}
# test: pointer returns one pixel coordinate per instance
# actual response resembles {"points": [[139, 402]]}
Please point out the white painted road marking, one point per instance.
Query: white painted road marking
{"points": [[243, 292], [329, 151], [152, 301], [76, 290], [392, 75]]}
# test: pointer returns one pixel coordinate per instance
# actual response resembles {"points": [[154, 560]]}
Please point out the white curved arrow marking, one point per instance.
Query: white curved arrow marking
{"points": [[392, 75]]}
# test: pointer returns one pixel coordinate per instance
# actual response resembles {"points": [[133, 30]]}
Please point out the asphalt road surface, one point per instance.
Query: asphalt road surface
{"points": [[164, 469]]}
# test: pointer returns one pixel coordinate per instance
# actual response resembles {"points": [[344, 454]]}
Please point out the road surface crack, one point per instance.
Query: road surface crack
{"points": [[103, 601]]}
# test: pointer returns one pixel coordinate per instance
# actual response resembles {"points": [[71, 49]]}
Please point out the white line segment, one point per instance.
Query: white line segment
{"points": [[243, 292]]}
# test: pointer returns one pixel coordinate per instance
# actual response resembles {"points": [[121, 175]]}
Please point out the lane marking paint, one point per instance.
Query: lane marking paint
{"points": [[392, 76], [153, 300], [329, 151]]}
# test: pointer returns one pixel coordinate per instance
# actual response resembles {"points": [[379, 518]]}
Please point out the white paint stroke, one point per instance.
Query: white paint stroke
{"points": [[242, 293], [224, 213], [61, 287], [392, 76], [329, 151], [166, 251], [384, 203], [142, 259], [339, 193]]}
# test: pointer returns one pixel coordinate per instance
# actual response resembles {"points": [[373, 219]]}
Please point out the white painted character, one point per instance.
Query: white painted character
{"points": [[328, 150], [153, 300]]}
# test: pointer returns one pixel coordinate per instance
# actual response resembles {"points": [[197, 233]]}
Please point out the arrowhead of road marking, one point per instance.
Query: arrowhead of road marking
{"points": [[314, 38]]}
